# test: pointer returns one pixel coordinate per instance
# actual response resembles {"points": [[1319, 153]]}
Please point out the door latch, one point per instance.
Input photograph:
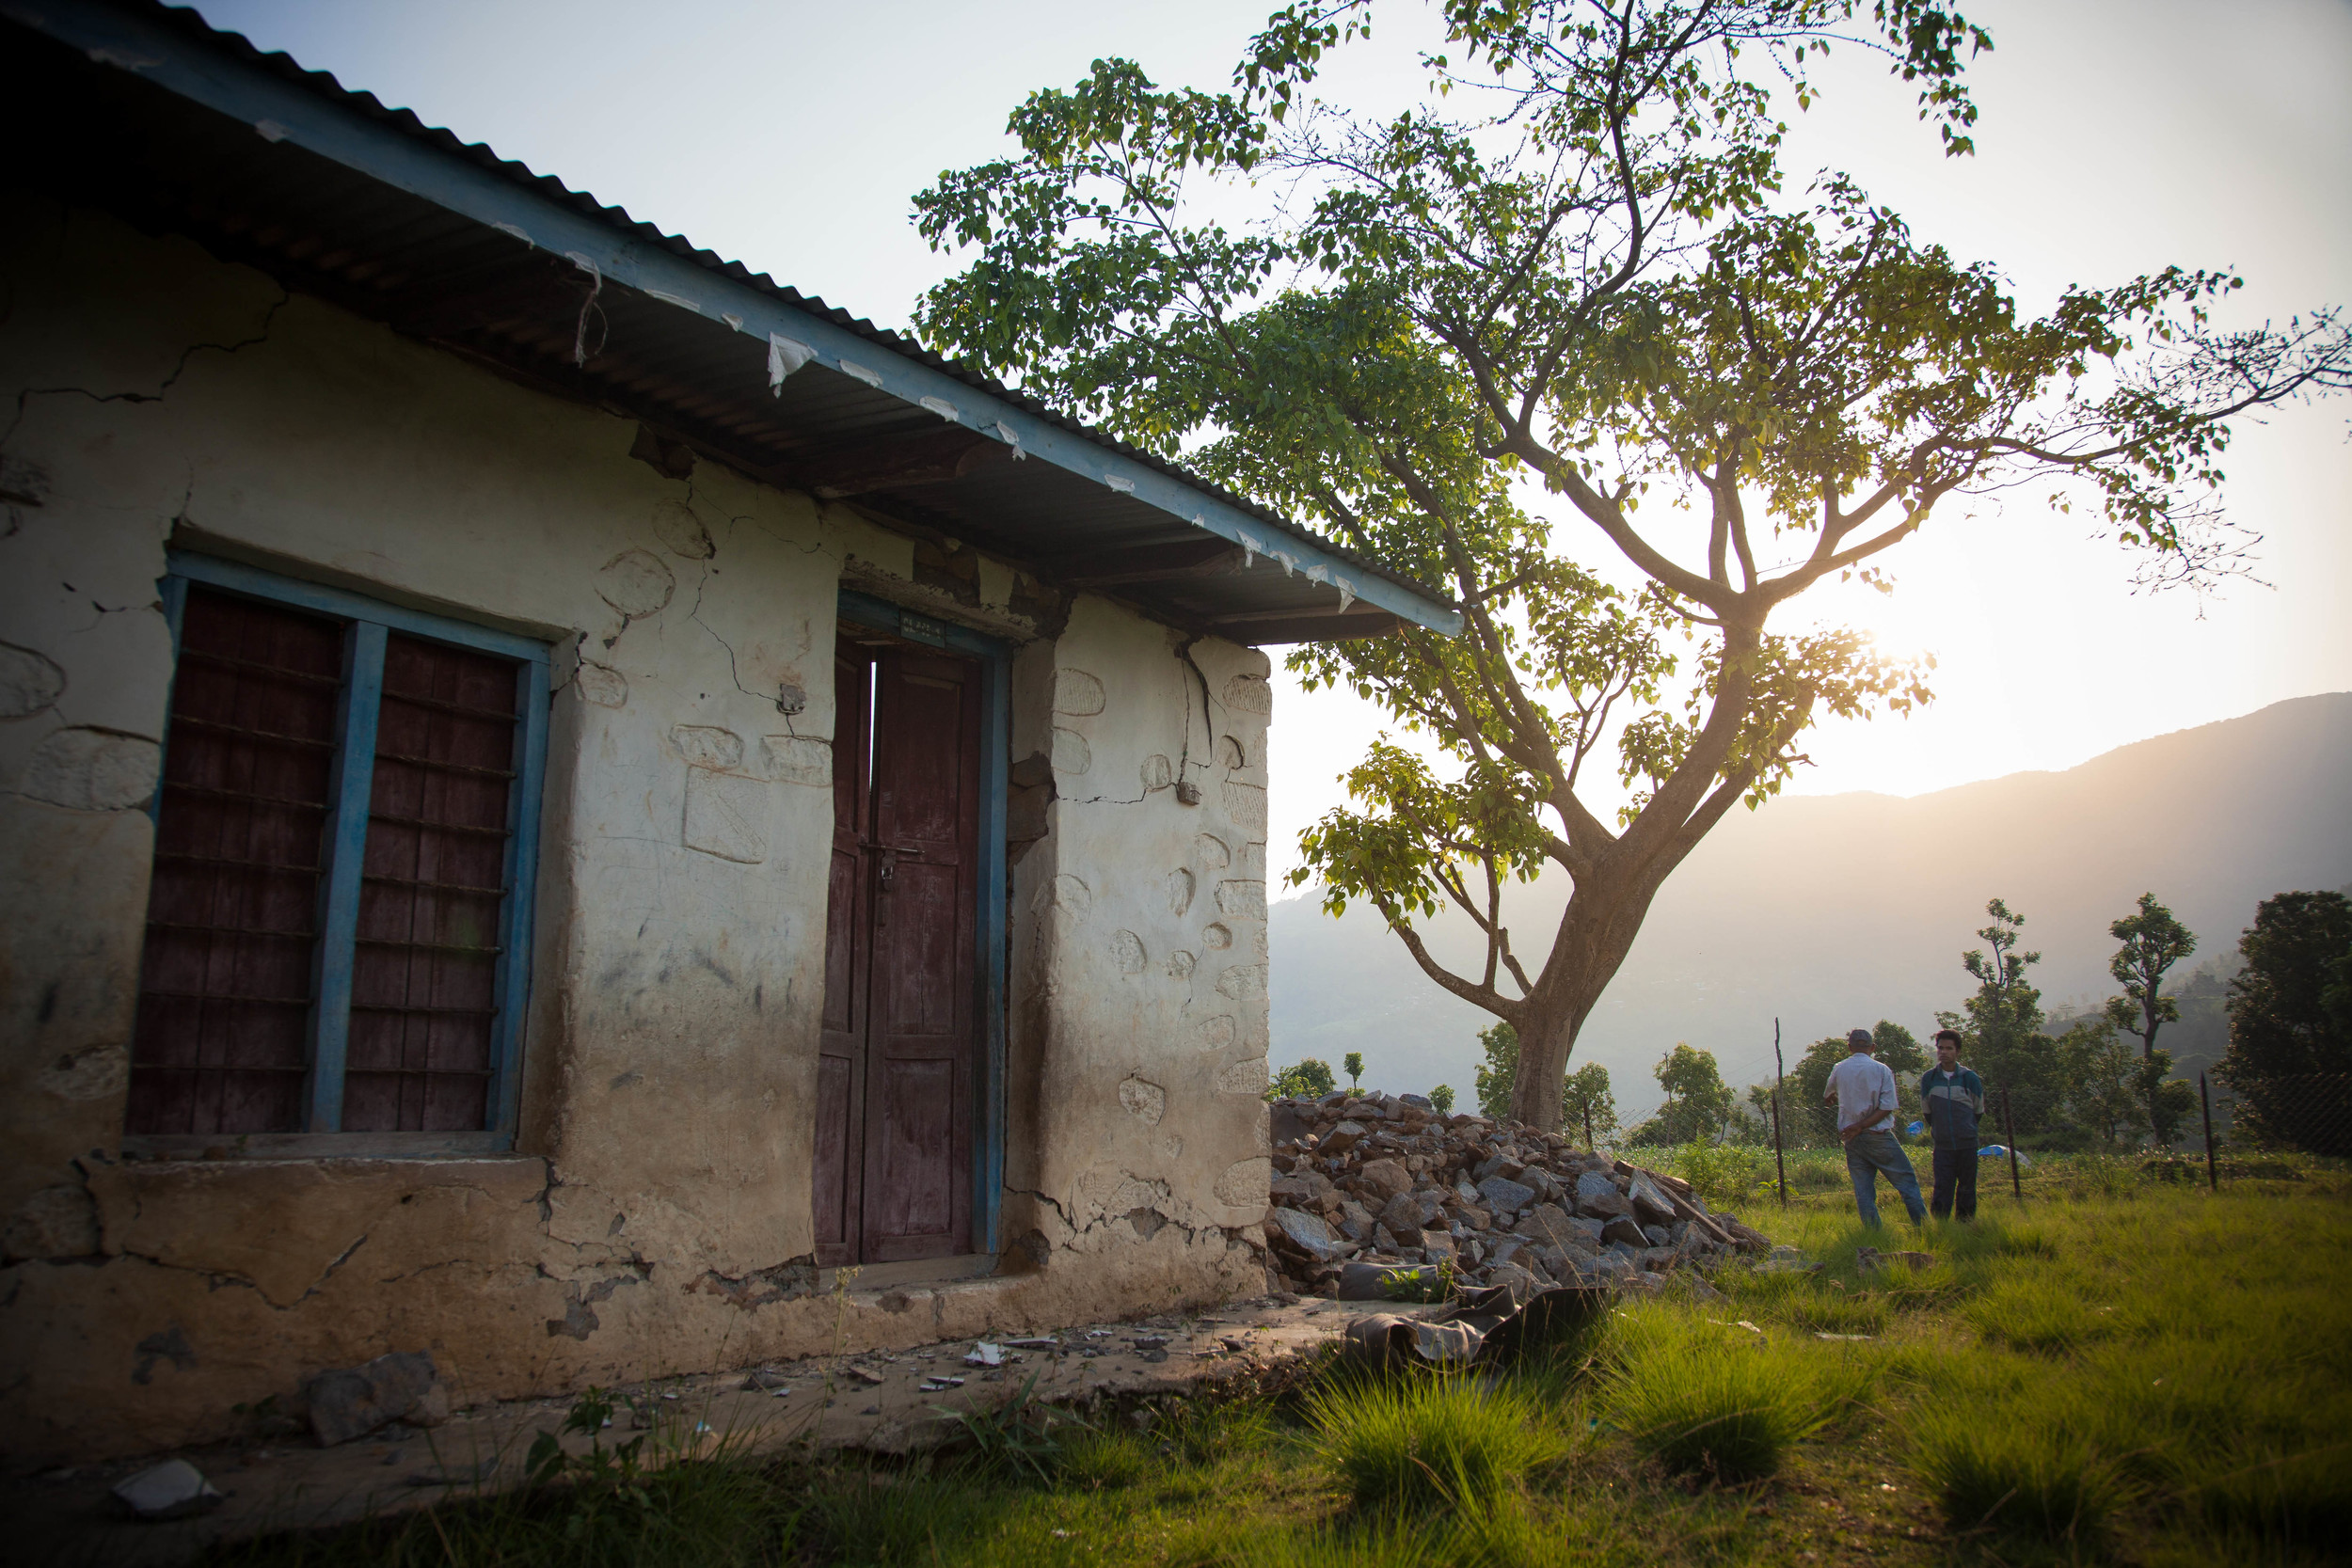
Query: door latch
{"points": [[890, 855]]}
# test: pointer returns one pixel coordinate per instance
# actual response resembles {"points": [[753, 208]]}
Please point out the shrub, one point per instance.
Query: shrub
{"points": [[1723, 1174], [1427, 1441]]}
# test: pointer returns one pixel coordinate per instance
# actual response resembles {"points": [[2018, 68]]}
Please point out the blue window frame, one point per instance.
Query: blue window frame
{"points": [[995, 659], [212, 1064]]}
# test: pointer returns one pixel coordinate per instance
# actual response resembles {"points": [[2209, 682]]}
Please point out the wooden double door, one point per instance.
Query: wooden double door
{"points": [[894, 1089]]}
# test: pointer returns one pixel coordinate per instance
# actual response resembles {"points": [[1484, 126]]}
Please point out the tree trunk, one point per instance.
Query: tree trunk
{"points": [[1597, 931]]}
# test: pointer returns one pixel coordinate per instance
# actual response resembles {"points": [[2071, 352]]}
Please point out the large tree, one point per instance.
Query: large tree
{"points": [[1568, 305], [1586, 1104], [2290, 1040]]}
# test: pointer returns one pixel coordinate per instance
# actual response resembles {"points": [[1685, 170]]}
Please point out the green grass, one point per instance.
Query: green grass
{"points": [[1411, 1443], [2130, 1367], [1716, 1399]]}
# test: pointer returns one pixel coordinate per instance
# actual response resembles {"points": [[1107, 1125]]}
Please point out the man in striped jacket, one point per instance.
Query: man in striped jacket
{"points": [[1954, 1098]]}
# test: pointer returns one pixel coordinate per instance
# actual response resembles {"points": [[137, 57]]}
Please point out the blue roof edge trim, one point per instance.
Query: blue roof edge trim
{"points": [[280, 110]]}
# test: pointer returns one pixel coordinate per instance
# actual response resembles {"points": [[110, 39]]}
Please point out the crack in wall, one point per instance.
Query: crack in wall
{"points": [[320, 1283], [25, 394]]}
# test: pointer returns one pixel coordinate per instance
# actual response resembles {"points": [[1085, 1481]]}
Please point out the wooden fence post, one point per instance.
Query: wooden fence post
{"points": [[2212, 1171], [1779, 1159], [2008, 1131]]}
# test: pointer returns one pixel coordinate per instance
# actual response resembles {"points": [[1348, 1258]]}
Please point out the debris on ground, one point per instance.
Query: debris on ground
{"points": [[1787, 1260], [172, 1490], [1871, 1257], [1485, 1328], [1380, 1197]]}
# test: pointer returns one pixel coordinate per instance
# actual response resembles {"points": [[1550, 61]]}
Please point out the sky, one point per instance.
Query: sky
{"points": [[2115, 138]]}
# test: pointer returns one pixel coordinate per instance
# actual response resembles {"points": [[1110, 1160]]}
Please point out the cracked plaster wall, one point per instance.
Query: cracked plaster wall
{"points": [[656, 1218], [1140, 953]]}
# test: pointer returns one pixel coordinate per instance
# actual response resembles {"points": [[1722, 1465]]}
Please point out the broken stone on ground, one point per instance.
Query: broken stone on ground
{"points": [[352, 1401], [1374, 1195]]}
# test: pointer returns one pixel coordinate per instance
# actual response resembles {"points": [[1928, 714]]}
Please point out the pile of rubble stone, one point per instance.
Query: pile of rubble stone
{"points": [[1368, 1188]]}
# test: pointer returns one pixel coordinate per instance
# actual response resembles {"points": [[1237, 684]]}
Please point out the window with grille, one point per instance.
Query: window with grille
{"points": [[345, 832]]}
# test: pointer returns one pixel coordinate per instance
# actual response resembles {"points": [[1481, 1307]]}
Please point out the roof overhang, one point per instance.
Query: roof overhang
{"points": [[146, 111]]}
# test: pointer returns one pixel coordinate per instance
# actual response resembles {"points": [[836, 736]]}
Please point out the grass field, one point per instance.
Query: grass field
{"points": [[2126, 1369]]}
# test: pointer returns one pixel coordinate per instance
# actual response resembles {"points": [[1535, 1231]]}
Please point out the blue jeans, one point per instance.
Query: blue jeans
{"points": [[1866, 1156], [1955, 1184]]}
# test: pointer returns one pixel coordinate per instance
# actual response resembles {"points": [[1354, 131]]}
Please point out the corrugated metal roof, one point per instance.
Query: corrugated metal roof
{"points": [[111, 131]]}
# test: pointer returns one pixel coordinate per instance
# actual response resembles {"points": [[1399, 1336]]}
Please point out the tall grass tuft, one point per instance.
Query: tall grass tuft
{"points": [[2302, 1500], [2038, 1313], [1722, 1410], [1700, 1403], [1999, 1471], [1422, 1441], [1505, 1532]]}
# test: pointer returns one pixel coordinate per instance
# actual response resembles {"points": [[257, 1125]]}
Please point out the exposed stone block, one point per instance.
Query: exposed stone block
{"points": [[90, 770], [680, 532], [29, 682], [1076, 692], [726, 815], [636, 583], [1143, 1099], [54, 1222]]}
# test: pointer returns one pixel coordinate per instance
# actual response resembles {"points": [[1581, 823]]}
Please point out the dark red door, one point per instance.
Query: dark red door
{"points": [[894, 1080]]}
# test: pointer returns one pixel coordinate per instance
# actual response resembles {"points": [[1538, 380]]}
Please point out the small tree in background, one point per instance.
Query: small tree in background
{"points": [[1353, 1062], [1587, 1091], [1307, 1079], [2000, 1027], [2153, 942], [2101, 1076], [1698, 1103], [1442, 1098], [1499, 1071], [2167, 1100]]}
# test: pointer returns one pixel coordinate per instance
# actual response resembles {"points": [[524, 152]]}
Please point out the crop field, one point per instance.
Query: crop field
{"points": [[2126, 1367]]}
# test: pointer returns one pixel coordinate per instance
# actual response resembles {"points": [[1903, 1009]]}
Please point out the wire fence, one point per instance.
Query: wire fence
{"points": [[2306, 1113]]}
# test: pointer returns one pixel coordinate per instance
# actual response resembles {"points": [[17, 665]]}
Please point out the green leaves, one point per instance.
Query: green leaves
{"points": [[1406, 856]]}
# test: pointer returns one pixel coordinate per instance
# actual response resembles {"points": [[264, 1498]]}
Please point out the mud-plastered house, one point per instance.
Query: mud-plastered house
{"points": [[554, 793]]}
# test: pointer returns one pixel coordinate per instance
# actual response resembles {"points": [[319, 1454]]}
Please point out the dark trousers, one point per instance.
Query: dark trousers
{"points": [[1955, 1184]]}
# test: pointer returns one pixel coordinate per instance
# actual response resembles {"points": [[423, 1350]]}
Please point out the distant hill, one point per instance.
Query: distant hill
{"points": [[1833, 911]]}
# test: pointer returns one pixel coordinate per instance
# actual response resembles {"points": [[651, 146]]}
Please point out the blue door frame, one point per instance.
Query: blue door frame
{"points": [[988, 1085]]}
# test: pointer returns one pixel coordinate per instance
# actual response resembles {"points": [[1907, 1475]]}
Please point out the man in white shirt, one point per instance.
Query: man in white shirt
{"points": [[1863, 1089]]}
